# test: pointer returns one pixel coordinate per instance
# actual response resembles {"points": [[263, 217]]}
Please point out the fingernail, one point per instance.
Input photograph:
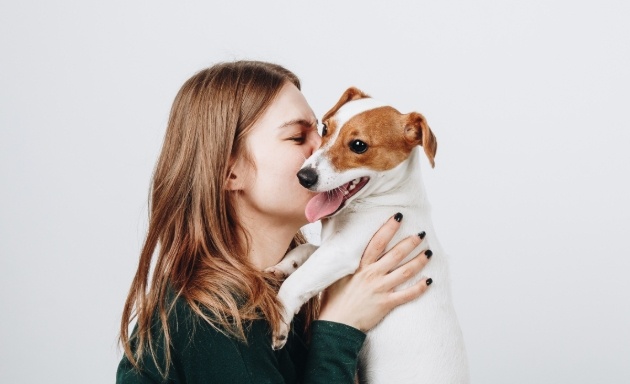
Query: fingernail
{"points": [[422, 234], [428, 253], [398, 217], [429, 281]]}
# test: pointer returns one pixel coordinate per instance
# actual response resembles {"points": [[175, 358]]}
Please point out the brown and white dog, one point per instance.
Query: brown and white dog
{"points": [[367, 168]]}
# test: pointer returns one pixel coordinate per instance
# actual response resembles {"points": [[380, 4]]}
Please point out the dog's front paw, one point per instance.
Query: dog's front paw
{"points": [[278, 272], [292, 261], [283, 269], [280, 337]]}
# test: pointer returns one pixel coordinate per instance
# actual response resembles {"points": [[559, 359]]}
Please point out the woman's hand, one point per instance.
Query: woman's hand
{"points": [[363, 299]]}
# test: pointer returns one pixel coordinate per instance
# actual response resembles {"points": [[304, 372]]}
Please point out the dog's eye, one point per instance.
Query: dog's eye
{"points": [[358, 146], [324, 129]]}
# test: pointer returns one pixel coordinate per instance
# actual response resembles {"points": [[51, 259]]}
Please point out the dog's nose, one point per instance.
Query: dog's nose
{"points": [[307, 176]]}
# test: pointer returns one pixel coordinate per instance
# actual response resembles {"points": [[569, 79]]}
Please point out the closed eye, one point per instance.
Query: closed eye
{"points": [[299, 139]]}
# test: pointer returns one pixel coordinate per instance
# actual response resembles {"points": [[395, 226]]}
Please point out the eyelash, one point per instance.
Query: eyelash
{"points": [[299, 139]]}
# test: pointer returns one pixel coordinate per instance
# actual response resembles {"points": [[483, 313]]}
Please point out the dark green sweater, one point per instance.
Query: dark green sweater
{"points": [[201, 354]]}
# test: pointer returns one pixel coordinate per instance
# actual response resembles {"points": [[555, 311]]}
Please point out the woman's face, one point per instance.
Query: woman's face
{"points": [[278, 144]]}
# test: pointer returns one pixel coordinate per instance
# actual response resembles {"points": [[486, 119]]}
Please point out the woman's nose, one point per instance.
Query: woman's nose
{"points": [[316, 143]]}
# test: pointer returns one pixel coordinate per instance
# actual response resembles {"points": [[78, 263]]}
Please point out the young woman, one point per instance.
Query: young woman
{"points": [[225, 205]]}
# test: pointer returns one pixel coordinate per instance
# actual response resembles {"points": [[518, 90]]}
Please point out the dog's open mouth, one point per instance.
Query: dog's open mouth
{"points": [[330, 202]]}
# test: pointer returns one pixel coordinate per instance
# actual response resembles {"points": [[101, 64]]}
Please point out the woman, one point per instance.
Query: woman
{"points": [[226, 204]]}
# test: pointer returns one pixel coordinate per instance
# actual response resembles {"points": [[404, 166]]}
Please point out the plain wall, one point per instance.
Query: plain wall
{"points": [[529, 102]]}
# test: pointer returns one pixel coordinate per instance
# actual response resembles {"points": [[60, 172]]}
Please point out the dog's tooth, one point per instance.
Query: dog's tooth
{"points": [[351, 187]]}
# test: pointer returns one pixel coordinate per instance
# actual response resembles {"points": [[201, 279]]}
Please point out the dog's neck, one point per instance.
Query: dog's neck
{"points": [[400, 186]]}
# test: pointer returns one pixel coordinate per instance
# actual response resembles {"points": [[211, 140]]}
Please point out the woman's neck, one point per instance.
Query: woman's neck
{"points": [[269, 241]]}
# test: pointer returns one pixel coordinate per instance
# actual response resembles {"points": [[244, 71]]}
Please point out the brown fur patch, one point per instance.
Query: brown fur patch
{"points": [[418, 132], [331, 125], [352, 93], [383, 130], [390, 136]]}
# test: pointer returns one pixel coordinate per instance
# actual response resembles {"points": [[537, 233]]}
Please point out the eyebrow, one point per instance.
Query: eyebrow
{"points": [[302, 122]]}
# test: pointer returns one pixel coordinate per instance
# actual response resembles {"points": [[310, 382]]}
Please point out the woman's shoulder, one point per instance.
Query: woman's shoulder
{"points": [[190, 327], [200, 329], [199, 351]]}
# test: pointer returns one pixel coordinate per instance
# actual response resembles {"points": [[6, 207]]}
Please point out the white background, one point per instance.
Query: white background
{"points": [[529, 102]]}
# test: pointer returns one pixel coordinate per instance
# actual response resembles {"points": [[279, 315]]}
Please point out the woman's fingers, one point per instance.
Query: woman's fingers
{"points": [[399, 252], [362, 299], [381, 238], [406, 271], [406, 295]]}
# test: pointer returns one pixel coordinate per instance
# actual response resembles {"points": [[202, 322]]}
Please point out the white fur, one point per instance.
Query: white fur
{"points": [[419, 342], [353, 108]]}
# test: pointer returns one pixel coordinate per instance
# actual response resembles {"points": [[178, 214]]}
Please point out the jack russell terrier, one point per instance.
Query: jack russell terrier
{"points": [[367, 167]]}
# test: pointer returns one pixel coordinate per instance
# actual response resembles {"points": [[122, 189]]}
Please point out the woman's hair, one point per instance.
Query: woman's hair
{"points": [[202, 249]]}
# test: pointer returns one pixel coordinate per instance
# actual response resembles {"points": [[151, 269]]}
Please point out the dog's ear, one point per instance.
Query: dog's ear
{"points": [[350, 94], [417, 132]]}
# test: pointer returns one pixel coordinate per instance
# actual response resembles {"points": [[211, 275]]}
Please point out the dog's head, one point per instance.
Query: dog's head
{"points": [[361, 139]]}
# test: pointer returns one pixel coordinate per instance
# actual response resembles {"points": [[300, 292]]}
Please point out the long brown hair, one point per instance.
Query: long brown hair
{"points": [[193, 228]]}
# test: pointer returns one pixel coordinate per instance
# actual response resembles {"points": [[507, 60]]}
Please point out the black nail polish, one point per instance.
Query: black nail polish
{"points": [[422, 234], [428, 253], [429, 281], [398, 217]]}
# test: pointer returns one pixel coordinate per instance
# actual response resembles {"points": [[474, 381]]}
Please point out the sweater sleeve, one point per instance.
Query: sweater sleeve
{"points": [[202, 354], [333, 353]]}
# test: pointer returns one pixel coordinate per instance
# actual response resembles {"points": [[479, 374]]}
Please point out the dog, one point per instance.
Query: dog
{"points": [[367, 167]]}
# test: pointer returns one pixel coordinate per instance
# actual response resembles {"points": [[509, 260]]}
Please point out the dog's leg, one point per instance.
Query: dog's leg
{"points": [[292, 260], [324, 267]]}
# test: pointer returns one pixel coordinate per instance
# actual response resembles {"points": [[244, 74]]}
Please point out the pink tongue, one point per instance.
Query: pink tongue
{"points": [[323, 204]]}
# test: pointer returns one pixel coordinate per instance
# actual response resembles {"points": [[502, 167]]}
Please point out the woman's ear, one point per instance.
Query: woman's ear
{"points": [[236, 176]]}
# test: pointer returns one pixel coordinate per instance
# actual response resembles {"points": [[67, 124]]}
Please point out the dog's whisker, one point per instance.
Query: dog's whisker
{"points": [[334, 192]]}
